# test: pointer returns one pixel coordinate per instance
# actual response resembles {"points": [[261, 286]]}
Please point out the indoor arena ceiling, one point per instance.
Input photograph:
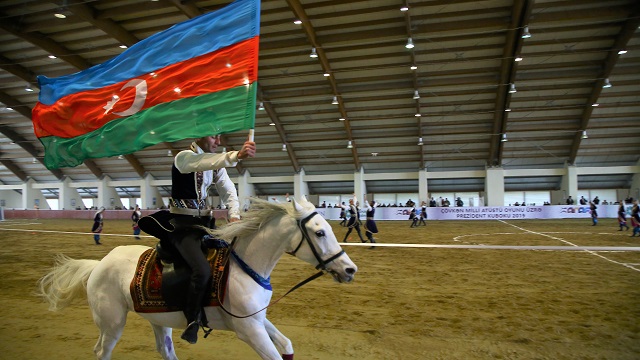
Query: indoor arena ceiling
{"points": [[469, 57]]}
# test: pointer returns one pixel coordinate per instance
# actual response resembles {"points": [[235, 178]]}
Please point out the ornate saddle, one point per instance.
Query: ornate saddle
{"points": [[162, 277]]}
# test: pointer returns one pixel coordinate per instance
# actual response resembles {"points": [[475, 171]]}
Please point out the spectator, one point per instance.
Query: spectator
{"points": [[594, 213], [570, 200], [135, 216]]}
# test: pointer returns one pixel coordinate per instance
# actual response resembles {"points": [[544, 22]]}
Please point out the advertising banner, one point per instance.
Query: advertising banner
{"points": [[486, 212]]}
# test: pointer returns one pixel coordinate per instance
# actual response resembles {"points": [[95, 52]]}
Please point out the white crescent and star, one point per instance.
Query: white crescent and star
{"points": [[138, 102]]}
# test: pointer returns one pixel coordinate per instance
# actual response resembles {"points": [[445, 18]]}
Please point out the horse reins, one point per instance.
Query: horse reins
{"points": [[321, 265]]}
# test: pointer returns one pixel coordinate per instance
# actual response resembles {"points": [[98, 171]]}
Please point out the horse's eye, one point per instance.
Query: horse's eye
{"points": [[320, 233]]}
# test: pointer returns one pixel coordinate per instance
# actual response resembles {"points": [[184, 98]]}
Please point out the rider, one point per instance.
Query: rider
{"points": [[192, 173]]}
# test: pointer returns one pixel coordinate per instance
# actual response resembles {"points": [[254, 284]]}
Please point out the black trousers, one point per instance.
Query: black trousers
{"points": [[188, 241]]}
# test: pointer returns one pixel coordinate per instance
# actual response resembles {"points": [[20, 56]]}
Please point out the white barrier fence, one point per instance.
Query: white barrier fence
{"points": [[487, 212]]}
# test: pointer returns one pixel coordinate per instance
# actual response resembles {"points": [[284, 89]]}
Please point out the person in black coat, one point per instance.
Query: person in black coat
{"points": [[370, 224], [354, 220], [96, 229]]}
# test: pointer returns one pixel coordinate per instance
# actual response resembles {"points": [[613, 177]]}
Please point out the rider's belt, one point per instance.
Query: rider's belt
{"points": [[369, 217], [191, 207]]}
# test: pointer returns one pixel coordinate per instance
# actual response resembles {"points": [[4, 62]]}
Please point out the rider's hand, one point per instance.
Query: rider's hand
{"points": [[248, 150]]}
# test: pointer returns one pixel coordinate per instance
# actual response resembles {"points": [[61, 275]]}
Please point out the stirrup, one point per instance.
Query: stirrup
{"points": [[207, 330], [189, 334]]}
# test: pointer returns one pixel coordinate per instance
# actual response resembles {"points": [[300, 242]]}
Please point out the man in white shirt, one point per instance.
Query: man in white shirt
{"points": [[192, 173]]}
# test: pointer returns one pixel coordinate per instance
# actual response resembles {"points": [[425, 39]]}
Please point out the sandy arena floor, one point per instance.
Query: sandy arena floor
{"points": [[406, 303]]}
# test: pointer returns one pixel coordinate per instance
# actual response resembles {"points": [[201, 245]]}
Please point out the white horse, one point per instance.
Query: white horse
{"points": [[266, 232]]}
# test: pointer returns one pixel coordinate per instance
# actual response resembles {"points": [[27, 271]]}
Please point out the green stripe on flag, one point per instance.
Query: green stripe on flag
{"points": [[210, 114]]}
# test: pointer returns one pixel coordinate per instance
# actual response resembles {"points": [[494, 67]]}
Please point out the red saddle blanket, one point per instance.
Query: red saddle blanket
{"points": [[146, 285]]}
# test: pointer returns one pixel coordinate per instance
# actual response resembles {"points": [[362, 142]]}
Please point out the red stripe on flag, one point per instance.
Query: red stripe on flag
{"points": [[80, 113]]}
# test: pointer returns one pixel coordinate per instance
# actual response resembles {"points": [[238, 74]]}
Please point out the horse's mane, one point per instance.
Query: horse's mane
{"points": [[260, 212]]}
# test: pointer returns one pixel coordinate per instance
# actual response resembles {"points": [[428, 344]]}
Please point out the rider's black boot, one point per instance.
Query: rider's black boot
{"points": [[190, 334], [192, 313]]}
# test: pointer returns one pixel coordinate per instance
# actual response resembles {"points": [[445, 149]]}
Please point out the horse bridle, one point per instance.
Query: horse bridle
{"points": [[322, 264]]}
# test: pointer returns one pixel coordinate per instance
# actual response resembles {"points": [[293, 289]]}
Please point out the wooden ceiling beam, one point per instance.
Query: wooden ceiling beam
{"points": [[521, 11], [300, 13], [626, 33], [273, 116], [110, 27]]}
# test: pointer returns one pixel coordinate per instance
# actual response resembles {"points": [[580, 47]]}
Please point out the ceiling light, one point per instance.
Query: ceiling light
{"points": [[123, 46], [584, 134], [416, 95], [61, 12], [404, 8], [297, 22], [313, 54], [622, 51], [349, 145], [284, 147], [414, 67], [420, 143], [169, 153], [596, 104], [418, 114], [409, 44], [507, 109], [512, 88], [327, 74], [120, 157], [504, 138], [52, 56], [28, 88], [525, 33], [374, 154], [334, 101], [518, 58], [261, 106], [224, 150], [341, 119], [607, 84], [34, 160], [272, 123]]}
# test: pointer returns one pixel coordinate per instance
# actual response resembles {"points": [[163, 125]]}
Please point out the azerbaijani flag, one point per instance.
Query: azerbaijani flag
{"points": [[197, 78]]}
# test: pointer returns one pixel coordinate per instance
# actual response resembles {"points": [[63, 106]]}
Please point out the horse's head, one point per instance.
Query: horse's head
{"points": [[318, 245]]}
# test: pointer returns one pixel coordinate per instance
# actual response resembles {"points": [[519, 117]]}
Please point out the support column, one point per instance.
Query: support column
{"points": [[32, 198], [246, 190], [300, 186], [150, 197], [634, 191], [359, 185], [68, 197], [494, 187], [570, 183], [423, 187], [107, 195]]}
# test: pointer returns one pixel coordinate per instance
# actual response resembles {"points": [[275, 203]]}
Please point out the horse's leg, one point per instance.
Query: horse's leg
{"points": [[110, 321], [164, 343], [279, 340], [255, 335]]}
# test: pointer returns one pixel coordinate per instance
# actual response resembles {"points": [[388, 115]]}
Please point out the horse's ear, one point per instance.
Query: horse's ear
{"points": [[297, 207]]}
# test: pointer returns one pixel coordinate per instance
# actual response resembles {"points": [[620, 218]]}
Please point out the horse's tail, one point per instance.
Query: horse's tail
{"points": [[67, 281]]}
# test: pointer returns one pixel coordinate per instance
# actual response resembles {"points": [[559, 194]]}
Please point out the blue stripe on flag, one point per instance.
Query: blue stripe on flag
{"points": [[235, 22]]}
